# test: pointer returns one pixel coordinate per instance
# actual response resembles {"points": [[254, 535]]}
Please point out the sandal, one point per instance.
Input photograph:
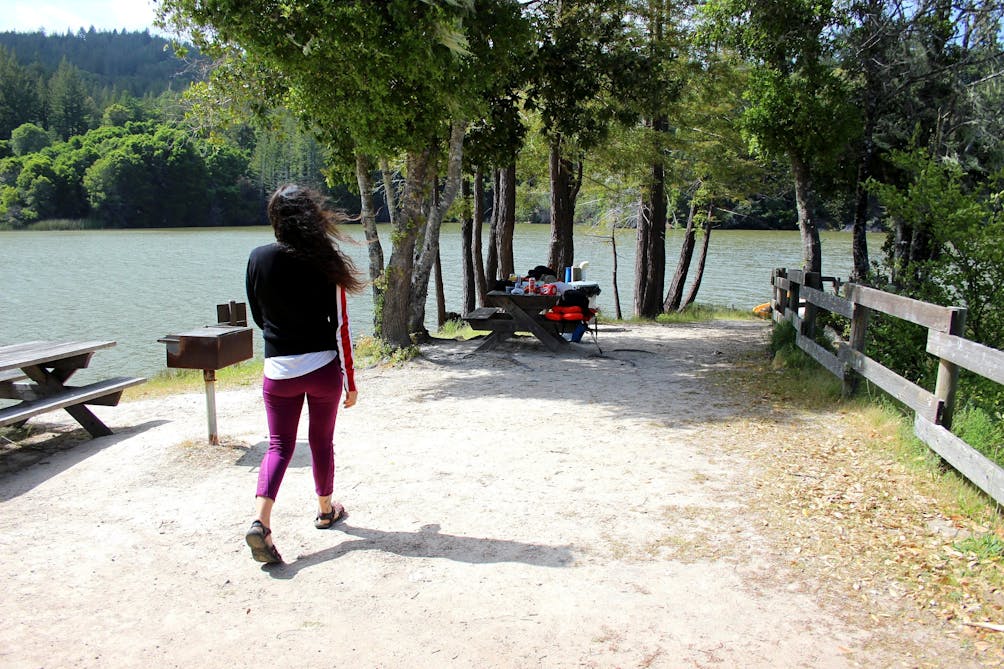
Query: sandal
{"points": [[261, 550], [326, 520]]}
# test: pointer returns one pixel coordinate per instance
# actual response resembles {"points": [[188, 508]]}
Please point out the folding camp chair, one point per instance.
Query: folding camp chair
{"points": [[583, 320]]}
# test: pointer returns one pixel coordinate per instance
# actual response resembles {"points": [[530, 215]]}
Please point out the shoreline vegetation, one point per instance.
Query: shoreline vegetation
{"points": [[71, 224]]}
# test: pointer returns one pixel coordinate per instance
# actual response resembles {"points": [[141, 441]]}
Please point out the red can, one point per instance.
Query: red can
{"points": [[531, 285]]}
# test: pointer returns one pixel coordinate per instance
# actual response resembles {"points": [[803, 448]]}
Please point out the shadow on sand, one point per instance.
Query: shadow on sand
{"points": [[429, 542]]}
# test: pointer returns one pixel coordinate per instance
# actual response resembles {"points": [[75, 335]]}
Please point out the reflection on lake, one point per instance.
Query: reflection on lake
{"points": [[134, 286]]}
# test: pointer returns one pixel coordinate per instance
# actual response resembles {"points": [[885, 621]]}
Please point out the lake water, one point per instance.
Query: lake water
{"points": [[134, 286]]}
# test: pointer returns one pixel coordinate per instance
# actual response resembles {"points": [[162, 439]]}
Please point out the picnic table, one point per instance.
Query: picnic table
{"points": [[36, 374], [506, 313]]}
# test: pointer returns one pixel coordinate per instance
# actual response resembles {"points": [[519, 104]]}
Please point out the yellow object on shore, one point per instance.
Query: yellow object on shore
{"points": [[762, 310]]}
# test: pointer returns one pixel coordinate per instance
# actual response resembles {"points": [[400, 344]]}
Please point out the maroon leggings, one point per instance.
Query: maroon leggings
{"points": [[283, 405]]}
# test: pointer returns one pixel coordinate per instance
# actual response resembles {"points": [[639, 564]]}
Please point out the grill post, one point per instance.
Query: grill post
{"points": [[210, 377]]}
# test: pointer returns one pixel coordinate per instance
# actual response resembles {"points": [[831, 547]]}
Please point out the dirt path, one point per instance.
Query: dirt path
{"points": [[511, 509]]}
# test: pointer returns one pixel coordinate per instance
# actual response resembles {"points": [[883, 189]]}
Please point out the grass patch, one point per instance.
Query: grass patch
{"points": [[456, 330], [981, 430], [698, 313], [56, 224], [983, 547], [172, 381], [370, 351]]}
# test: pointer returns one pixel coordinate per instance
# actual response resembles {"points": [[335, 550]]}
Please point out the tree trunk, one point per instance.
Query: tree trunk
{"points": [[440, 293], [811, 256], [650, 245], [481, 284], [373, 246], [859, 239], [389, 191], [492, 266], [506, 202], [900, 251], [430, 246], [467, 249], [410, 221], [617, 294], [859, 234], [872, 17], [696, 285], [675, 295], [564, 190]]}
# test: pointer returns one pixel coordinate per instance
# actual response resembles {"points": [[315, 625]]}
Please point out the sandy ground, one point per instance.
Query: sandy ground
{"points": [[506, 509]]}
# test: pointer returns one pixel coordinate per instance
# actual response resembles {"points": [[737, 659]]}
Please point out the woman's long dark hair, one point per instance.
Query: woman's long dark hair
{"points": [[307, 228]]}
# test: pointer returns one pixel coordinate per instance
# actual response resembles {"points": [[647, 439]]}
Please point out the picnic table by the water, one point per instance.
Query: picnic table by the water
{"points": [[506, 313], [35, 373]]}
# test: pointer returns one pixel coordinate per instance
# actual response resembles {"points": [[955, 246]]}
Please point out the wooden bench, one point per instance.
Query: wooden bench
{"points": [[491, 319], [107, 393], [11, 375]]}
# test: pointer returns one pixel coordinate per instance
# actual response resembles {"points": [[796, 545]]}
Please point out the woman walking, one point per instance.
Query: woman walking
{"points": [[296, 289]]}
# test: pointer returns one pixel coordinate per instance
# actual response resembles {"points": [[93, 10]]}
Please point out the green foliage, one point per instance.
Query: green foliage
{"points": [[698, 313], [370, 351], [978, 392], [981, 429], [19, 100], [29, 138], [454, 329], [497, 133], [149, 181], [170, 381], [786, 354], [67, 224], [70, 106], [782, 336], [963, 226], [901, 346], [318, 59], [140, 175], [806, 115], [964, 267], [117, 114], [983, 546], [799, 376], [137, 63], [798, 104], [582, 71]]}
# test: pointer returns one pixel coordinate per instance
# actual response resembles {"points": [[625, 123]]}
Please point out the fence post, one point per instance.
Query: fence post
{"points": [[948, 372], [859, 328], [811, 280], [792, 310], [779, 301]]}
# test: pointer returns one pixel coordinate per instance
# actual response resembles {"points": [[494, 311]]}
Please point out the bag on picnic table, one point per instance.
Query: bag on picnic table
{"points": [[574, 298]]}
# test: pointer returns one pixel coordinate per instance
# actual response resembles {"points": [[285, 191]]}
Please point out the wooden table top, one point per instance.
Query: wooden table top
{"points": [[28, 354]]}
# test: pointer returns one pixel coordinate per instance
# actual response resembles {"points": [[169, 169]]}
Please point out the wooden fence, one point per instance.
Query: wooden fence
{"points": [[797, 298]]}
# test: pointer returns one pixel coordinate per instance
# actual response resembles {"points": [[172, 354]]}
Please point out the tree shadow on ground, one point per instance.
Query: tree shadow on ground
{"points": [[673, 377], [429, 542]]}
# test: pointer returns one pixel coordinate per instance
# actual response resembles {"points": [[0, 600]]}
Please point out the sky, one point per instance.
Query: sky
{"points": [[57, 16]]}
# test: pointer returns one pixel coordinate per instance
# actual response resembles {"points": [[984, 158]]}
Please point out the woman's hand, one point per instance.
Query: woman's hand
{"points": [[350, 398]]}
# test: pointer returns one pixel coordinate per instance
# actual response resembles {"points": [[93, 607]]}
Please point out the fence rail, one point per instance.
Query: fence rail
{"points": [[797, 297]]}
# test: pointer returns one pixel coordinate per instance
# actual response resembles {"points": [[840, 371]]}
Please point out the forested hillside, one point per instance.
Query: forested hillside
{"points": [[137, 63], [95, 131]]}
